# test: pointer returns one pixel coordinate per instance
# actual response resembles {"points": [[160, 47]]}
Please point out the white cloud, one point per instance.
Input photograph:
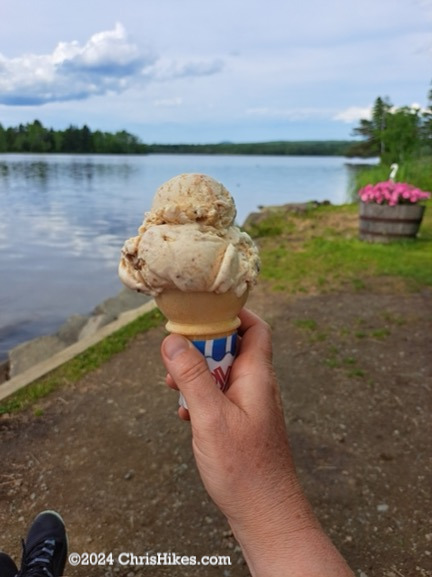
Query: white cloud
{"points": [[109, 62], [353, 114], [108, 51], [165, 69]]}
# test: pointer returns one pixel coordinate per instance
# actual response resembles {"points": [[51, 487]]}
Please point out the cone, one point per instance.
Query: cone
{"points": [[201, 315], [210, 321]]}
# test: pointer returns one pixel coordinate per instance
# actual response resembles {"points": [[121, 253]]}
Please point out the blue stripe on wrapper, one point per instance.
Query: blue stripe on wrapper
{"points": [[216, 349]]}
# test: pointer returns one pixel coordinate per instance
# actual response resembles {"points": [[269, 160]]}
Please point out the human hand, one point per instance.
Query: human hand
{"points": [[241, 448]]}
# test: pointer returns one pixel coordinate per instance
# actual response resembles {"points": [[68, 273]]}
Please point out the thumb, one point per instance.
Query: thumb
{"points": [[189, 369]]}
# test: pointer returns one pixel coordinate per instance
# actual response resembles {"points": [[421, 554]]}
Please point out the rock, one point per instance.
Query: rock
{"points": [[295, 207], [69, 332], [32, 352], [74, 329], [93, 324], [4, 371], [125, 300]]}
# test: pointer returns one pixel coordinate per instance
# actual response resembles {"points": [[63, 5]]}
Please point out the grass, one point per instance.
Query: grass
{"points": [[319, 251], [81, 365]]}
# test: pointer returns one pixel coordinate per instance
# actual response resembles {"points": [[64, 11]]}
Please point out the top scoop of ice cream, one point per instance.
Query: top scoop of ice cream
{"points": [[190, 198], [188, 242]]}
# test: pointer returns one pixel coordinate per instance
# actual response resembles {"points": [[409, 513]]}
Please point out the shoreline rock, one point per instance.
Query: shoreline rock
{"points": [[27, 354], [255, 218]]}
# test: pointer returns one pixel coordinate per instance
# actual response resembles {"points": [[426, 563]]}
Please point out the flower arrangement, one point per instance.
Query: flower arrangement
{"points": [[392, 193]]}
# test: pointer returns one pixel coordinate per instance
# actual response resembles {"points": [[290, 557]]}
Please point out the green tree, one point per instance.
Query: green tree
{"points": [[372, 130], [3, 140], [401, 139], [86, 139], [37, 137]]}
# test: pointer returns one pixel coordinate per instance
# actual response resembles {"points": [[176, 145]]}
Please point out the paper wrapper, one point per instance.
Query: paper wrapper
{"points": [[210, 321]]}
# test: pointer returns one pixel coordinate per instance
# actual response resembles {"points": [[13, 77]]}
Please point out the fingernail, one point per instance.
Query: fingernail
{"points": [[174, 345]]}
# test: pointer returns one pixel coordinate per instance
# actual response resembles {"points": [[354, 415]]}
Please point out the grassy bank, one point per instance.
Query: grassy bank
{"points": [[318, 250]]}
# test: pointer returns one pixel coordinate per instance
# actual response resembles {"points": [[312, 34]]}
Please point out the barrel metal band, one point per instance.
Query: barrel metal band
{"points": [[395, 220], [376, 233]]}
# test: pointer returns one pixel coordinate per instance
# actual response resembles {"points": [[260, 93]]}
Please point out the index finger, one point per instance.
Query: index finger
{"points": [[248, 320], [256, 335]]}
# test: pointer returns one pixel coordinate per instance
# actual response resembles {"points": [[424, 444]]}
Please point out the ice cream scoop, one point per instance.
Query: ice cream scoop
{"points": [[198, 264]]}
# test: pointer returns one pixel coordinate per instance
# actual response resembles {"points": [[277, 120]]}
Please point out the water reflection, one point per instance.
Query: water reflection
{"points": [[23, 168]]}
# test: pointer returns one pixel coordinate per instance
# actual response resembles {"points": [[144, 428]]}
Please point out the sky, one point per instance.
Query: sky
{"points": [[205, 71]]}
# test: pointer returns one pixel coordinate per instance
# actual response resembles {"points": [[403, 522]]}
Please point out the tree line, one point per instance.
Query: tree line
{"points": [[276, 148], [34, 137], [395, 134]]}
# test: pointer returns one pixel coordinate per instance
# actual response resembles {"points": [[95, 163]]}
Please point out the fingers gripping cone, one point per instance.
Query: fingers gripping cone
{"points": [[210, 321]]}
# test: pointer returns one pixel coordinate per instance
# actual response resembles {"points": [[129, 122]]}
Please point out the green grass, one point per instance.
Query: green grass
{"points": [[309, 324], [82, 364], [320, 251]]}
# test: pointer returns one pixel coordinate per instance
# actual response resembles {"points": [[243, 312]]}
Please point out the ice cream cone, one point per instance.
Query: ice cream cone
{"points": [[210, 321]]}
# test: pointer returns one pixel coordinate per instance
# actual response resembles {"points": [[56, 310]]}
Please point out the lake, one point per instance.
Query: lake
{"points": [[64, 218]]}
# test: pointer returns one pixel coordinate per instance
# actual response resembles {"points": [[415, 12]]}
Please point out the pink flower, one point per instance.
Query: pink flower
{"points": [[392, 193]]}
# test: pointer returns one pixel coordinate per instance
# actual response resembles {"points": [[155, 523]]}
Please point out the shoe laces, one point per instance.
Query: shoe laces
{"points": [[38, 563]]}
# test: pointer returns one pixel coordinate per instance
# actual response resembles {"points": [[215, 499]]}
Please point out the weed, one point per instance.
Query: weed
{"points": [[308, 324], [380, 333]]}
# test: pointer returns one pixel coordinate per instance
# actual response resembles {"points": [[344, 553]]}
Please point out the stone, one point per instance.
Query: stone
{"points": [[125, 300], [70, 330], [93, 324], [32, 352], [4, 371]]}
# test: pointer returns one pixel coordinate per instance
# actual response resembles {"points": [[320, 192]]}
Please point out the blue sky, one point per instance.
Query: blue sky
{"points": [[206, 71]]}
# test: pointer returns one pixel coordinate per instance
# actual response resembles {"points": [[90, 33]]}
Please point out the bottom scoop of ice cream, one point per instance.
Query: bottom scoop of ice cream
{"points": [[186, 254]]}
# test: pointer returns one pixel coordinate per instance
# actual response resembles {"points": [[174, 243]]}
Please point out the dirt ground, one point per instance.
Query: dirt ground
{"points": [[111, 455]]}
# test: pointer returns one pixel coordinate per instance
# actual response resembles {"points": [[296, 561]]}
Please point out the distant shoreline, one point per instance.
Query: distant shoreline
{"points": [[36, 138]]}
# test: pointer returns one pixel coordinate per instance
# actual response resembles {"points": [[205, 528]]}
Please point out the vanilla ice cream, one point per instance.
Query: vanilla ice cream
{"points": [[189, 242]]}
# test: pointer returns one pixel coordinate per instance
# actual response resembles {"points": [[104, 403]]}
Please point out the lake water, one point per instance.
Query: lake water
{"points": [[63, 221]]}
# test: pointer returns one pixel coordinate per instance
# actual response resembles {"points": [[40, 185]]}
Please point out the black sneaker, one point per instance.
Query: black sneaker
{"points": [[45, 549], [7, 566]]}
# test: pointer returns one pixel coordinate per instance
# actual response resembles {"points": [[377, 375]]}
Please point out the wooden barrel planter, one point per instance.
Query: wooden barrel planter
{"points": [[383, 223]]}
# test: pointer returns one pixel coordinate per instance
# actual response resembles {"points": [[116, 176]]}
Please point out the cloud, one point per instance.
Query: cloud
{"points": [[109, 62], [353, 114], [170, 69], [106, 53]]}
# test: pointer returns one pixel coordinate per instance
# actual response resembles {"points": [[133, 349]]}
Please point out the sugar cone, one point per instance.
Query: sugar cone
{"points": [[201, 315], [210, 321]]}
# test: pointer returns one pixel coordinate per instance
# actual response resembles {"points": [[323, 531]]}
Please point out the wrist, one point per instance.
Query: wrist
{"points": [[287, 539]]}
